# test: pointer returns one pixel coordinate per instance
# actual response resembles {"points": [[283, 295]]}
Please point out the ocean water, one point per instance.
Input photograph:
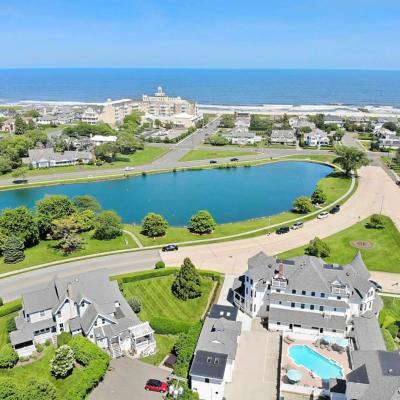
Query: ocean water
{"points": [[264, 190], [206, 86]]}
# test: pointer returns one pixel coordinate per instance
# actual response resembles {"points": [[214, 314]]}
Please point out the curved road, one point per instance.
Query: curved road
{"points": [[376, 192]]}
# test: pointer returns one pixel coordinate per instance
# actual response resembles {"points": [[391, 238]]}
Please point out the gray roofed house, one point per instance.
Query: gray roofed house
{"points": [[87, 304], [283, 136], [209, 365], [242, 135]]}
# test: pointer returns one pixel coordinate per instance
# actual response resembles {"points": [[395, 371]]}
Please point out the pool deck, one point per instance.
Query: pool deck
{"points": [[307, 380]]}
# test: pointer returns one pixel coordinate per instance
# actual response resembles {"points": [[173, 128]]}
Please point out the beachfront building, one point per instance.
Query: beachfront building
{"points": [[87, 304], [301, 122], [334, 120], [101, 139], [316, 137], [182, 113], [215, 353], [284, 137], [47, 157], [306, 296]]}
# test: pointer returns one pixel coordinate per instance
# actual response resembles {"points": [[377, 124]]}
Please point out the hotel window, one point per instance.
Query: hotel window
{"points": [[339, 297], [321, 308], [251, 281], [312, 293], [312, 307], [302, 306], [293, 305], [322, 294], [293, 291], [303, 292]]}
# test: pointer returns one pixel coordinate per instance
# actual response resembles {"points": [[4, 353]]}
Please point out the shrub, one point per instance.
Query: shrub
{"points": [[1, 301], [23, 359], [140, 276], [107, 226], [187, 284], [318, 248], [166, 326], [39, 347], [10, 307], [154, 225], [135, 304], [63, 362], [393, 330], [85, 351], [318, 197], [10, 325], [39, 389], [47, 343], [302, 205], [376, 221], [63, 338], [9, 389], [202, 222], [160, 264], [13, 250], [8, 356]]}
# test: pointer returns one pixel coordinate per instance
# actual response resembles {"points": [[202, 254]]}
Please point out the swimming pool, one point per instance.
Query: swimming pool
{"points": [[315, 362]]}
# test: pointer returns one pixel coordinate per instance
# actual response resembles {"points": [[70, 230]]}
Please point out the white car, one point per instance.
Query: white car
{"points": [[129, 168], [297, 225], [323, 215]]}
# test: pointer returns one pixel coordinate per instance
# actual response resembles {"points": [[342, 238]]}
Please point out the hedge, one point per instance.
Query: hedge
{"points": [[10, 307], [8, 356], [86, 351], [166, 326], [393, 330], [140, 276]]}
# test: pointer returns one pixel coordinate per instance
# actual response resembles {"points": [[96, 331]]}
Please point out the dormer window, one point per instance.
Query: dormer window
{"points": [[209, 360]]}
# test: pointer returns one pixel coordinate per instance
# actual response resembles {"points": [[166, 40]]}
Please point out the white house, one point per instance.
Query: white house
{"points": [[214, 358], [242, 136], [87, 304], [101, 139], [283, 136], [316, 137], [47, 157]]}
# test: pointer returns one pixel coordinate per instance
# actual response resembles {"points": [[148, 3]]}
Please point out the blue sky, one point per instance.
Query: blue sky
{"points": [[358, 34]]}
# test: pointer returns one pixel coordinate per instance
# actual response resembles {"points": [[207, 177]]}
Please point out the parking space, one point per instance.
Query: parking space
{"points": [[256, 366], [127, 380]]}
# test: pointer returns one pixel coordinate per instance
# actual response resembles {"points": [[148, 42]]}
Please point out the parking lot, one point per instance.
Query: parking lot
{"points": [[127, 381]]}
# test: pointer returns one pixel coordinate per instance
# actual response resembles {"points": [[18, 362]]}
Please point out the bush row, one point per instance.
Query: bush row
{"points": [[140, 276], [10, 307], [166, 326]]}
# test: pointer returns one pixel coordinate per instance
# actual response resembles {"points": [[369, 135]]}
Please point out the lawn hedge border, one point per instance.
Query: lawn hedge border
{"points": [[167, 326], [9, 308]]}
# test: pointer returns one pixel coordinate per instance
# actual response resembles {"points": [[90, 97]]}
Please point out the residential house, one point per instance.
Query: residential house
{"points": [[388, 139], [90, 116], [47, 157], [307, 296], [316, 137], [87, 304], [101, 139], [283, 136], [379, 122], [334, 119], [242, 136], [215, 353], [8, 125], [298, 123]]}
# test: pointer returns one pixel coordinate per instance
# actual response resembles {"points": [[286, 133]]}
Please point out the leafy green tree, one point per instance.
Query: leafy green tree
{"points": [[202, 222], [20, 222], [62, 363], [302, 205], [85, 220], [154, 225], [13, 250], [390, 125], [318, 248], [5, 165], [8, 356], [39, 389], [227, 121], [9, 389], [127, 143], [376, 221], [69, 244], [11, 325], [86, 202], [135, 304], [85, 129], [218, 140], [32, 114], [20, 126], [106, 152], [157, 123], [107, 225], [20, 173], [350, 159], [319, 196], [51, 208], [187, 284]]}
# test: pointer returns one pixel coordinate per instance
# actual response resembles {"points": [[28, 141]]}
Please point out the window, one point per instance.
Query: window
{"points": [[207, 380], [247, 290], [278, 323], [293, 291], [278, 290], [322, 294], [334, 309], [247, 278], [61, 327], [321, 308], [216, 361], [103, 321], [251, 281], [303, 292], [302, 306], [293, 305], [312, 293], [280, 303], [209, 360], [59, 314], [312, 307], [339, 297]]}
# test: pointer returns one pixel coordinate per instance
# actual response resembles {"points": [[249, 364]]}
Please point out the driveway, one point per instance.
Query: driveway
{"points": [[127, 381], [256, 366]]}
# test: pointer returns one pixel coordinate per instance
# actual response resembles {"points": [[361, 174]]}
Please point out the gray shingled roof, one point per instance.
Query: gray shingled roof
{"points": [[209, 365], [308, 300], [367, 333], [220, 311]]}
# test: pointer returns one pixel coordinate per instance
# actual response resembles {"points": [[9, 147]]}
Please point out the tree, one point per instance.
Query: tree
{"points": [[202, 222], [5, 165], [157, 123], [107, 225], [319, 196], [350, 159], [51, 208], [13, 250], [376, 221], [159, 265], [187, 284], [154, 225], [397, 157], [318, 248], [20, 173], [62, 363], [218, 140], [20, 126], [39, 389], [85, 220], [390, 125], [8, 356], [127, 143], [135, 304], [69, 244], [20, 222], [86, 202], [302, 205], [106, 152], [227, 121], [85, 129]]}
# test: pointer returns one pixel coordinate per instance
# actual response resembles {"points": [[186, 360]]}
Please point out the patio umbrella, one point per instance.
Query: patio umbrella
{"points": [[342, 342], [327, 339], [294, 375]]}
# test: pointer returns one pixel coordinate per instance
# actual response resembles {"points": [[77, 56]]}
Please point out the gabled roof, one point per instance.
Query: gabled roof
{"points": [[208, 365]]}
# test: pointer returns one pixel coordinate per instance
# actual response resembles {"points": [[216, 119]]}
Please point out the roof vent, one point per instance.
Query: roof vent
{"points": [[390, 371]]}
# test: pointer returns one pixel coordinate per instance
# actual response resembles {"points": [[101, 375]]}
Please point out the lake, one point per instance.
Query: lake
{"points": [[229, 194]]}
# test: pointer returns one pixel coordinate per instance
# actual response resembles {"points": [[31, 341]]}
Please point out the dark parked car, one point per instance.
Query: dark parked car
{"points": [[170, 247], [284, 229], [335, 209], [234, 159], [154, 385], [213, 161]]}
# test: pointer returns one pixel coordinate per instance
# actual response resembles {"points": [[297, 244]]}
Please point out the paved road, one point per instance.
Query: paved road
{"points": [[12, 287]]}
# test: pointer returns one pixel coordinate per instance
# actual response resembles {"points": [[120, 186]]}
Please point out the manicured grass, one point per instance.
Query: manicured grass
{"points": [[390, 314], [209, 154], [383, 256], [334, 185], [157, 299], [165, 344], [43, 253], [140, 157]]}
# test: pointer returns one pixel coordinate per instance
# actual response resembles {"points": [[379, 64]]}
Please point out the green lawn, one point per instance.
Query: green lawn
{"points": [[334, 186], [157, 299], [390, 314], [43, 253], [165, 344], [383, 256], [145, 156], [209, 154]]}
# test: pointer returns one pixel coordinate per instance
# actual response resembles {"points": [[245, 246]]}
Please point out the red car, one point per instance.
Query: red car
{"points": [[154, 385]]}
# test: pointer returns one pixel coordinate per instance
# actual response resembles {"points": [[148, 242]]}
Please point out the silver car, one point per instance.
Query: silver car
{"points": [[297, 225]]}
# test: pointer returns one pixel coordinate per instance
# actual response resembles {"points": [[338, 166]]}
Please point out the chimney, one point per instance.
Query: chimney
{"points": [[281, 269]]}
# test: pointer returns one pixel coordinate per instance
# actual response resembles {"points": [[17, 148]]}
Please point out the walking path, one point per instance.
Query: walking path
{"points": [[135, 239]]}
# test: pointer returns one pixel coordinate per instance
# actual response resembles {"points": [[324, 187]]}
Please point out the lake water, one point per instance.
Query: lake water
{"points": [[206, 86], [229, 194]]}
